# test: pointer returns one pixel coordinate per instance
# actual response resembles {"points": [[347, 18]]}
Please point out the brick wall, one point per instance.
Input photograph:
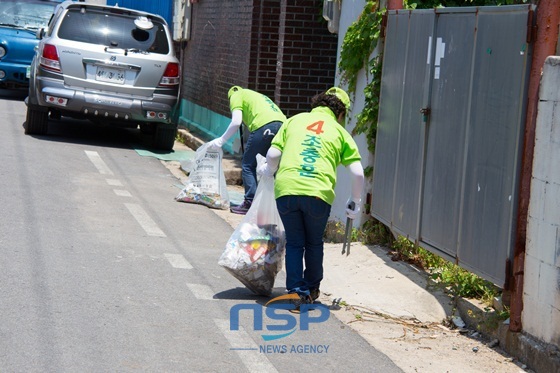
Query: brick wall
{"points": [[264, 47], [217, 54], [309, 55], [281, 48]]}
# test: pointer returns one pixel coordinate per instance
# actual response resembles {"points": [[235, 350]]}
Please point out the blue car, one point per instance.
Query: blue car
{"points": [[19, 22]]}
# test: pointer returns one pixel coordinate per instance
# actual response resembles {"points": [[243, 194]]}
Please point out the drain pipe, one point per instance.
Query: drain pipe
{"points": [[546, 39]]}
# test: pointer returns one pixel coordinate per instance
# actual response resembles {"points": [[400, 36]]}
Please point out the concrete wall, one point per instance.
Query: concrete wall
{"points": [[541, 298]]}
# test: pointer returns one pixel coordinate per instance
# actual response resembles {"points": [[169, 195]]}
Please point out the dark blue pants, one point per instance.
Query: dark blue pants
{"points": [[257, 143], [304, 219]]}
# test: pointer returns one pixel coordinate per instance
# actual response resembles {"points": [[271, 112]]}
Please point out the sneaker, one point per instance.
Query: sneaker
{"points": [[314, 293], [303, 299], [242, 208]]}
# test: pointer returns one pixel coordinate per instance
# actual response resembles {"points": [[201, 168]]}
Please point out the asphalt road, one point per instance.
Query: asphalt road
{"points": [[102, 270]]}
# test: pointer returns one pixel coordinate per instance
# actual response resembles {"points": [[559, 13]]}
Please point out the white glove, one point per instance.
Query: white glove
{"points": [[216, 143], [353, 207], [265, 170]]}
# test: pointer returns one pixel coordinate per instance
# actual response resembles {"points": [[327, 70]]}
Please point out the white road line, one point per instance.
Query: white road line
{"points": [[245, 347], [114, 182], [178, 261], [98, 163], [122, 193], [203, 292], [144, 220]]}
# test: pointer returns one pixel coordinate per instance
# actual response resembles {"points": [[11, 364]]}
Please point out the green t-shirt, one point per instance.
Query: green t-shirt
{"points": [[257, 109], [313, 145]]}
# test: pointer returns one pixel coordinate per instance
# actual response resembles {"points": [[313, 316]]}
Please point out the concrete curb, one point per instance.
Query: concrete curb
{"points": [[189, 139]]}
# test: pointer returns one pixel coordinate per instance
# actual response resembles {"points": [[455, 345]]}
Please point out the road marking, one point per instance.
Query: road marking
{"points": [[144, 220], [203, 292], [245, 348], [122, 193], [98, 163], [178, 261], [114, 182]]}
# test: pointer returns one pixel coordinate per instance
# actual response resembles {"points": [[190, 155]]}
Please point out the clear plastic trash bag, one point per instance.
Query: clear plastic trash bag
{"points": [[254, 253], [206, 183]]}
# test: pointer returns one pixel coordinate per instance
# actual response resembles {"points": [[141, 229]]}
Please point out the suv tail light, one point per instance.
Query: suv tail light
{"points": [[171, 75], [49, 59]]}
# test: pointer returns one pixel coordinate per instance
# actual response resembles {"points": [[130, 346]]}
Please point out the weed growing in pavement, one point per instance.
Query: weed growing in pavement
{"points": [[491, 319], [334, 232], [458, 281], [372, 232]]}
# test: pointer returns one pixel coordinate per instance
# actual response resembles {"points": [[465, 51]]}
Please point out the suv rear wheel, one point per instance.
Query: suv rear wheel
{"points": [[147, 128], [164, 137], [36, 122]]}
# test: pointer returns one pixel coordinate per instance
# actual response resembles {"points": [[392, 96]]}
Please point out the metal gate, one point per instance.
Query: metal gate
{"points": [[451, 120]]}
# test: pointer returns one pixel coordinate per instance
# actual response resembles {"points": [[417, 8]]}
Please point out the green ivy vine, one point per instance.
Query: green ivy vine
{"points": [[360, 41]]}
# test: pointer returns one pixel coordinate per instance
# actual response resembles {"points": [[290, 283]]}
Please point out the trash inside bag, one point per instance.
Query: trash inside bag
{"points": [[254, 253], [206, 183]]}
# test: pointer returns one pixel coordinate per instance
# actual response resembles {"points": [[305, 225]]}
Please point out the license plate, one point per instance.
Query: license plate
{"points": [[108, 74]]}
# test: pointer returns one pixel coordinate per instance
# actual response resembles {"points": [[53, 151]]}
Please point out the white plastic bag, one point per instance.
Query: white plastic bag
{"points": [[206, 183], [254, 253]]}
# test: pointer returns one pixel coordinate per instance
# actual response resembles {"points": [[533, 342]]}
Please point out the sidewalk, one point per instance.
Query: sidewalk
{"points": [[393, 305]]}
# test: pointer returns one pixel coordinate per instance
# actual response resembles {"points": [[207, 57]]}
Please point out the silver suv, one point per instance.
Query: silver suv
{"points": [[110, 65]]}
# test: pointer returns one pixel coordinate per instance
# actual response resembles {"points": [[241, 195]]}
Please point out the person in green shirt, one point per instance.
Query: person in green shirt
{"points": [[263, 118], [304, 155]]}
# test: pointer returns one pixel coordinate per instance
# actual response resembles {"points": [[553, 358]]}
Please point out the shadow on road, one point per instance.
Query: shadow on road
{"points": [[84, 132], [242, 293], [13, 94]]}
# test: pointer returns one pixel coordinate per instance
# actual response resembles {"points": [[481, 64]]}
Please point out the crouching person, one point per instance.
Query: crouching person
{"points": [[304, 155]]}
